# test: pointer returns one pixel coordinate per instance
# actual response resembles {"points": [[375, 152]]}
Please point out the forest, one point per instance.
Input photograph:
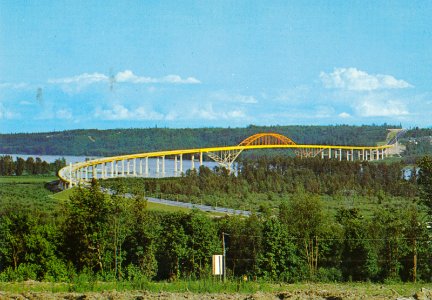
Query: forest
{"points": [[95, 142], [113, 238]]}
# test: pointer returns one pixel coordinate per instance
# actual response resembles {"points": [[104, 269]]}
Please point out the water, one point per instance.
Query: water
{"points": [[152, 164]]}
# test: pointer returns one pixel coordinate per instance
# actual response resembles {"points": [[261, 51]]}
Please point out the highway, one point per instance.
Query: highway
{"points": [[188, 205]]}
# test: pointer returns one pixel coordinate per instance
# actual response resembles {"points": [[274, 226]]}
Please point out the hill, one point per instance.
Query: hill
{"points": [[123, 141]]}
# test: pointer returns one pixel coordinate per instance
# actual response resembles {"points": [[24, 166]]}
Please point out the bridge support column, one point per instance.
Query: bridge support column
{"points": [[127, 167], [363, 155], [163, 165], [175, 165], [157, 165], [140, 167], [103, 171], [134, 166], [181, 163], [146, 167], [70, 175], [116, 168], [322, 154], [86, 173], [192, 163], [329, 153], [94, 172], [123, 168], [201, 159], [112, 169]]}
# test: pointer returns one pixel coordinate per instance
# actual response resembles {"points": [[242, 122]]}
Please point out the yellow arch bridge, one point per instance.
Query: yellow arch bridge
{"points": [[138, 164]]}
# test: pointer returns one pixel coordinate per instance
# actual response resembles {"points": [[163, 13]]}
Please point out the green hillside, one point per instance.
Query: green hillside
{"points": [[122, 141]]}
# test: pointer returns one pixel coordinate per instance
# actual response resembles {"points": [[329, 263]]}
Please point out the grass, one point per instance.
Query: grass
{"points": [[27, 179], [64, 195], [213, 285]]}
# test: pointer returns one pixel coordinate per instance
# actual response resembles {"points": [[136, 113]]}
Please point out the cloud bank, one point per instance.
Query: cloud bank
{"points": [[126, 76], [353, 79]]}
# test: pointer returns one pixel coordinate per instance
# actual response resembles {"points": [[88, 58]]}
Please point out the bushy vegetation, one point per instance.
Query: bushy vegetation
{"points": [[126, 141], [100, 237]]}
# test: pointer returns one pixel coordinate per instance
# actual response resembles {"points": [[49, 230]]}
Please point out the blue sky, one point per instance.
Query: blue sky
{"points": [[110, 64]]}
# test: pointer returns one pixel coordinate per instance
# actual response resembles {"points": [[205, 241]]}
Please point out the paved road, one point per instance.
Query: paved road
{"points": [[202, 207]]}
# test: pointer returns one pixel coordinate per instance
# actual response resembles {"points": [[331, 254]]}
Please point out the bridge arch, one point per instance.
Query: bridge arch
{"points": [[268, 138]]}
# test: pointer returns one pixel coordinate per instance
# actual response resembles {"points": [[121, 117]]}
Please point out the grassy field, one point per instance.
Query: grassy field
{"points": [[213, 286], [30, 179], [27, 191]]}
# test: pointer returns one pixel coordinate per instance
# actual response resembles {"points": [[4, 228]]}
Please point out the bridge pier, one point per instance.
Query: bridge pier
{"points": [[157, 165], [192, 163], [140, 167], [201, 159], [123, 167], [181, 163], [146, 166], [134, 167], [175, 165], [163, 166]]}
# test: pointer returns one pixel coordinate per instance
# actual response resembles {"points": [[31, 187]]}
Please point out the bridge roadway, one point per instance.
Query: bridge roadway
{"points": [[137, 165]]}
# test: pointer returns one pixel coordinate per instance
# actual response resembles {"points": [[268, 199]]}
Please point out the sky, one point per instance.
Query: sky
{"points": [[139, 64]]}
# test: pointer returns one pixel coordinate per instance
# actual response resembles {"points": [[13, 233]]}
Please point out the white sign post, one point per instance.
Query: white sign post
{"points": [[217, 265]]}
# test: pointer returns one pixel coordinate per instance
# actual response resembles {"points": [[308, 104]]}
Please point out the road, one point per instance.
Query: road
{"points": [[188, 205], [200, 207]]}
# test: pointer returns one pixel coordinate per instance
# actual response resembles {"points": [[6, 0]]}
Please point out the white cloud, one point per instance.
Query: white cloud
{"points": [[208, 113], [6, 114], [344, 115], [357, 80], [119, 112], [126, 76], [379, 108], [232, 97], [15, 86], [64, 114], [129, 76], [82, 79], [26, 103]]}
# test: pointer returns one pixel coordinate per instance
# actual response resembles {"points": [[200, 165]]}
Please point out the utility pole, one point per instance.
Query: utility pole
{"points": [[224, 257]]}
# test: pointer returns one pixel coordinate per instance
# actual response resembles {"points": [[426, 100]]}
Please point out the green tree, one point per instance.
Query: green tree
{"points": [[303, 215], [425, 181], [87, 228], [19, 166], [279, 259]]}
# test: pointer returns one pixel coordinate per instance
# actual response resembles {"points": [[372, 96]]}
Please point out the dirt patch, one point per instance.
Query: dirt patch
{"points": [[422, 294]]}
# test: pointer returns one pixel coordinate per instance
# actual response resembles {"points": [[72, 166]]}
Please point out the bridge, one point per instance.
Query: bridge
{"points": [[137, 165]]}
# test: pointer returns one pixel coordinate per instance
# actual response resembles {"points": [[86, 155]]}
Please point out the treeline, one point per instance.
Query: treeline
{"points": [[114, 238], [284, 175], [30, 166], [125, 141]]}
